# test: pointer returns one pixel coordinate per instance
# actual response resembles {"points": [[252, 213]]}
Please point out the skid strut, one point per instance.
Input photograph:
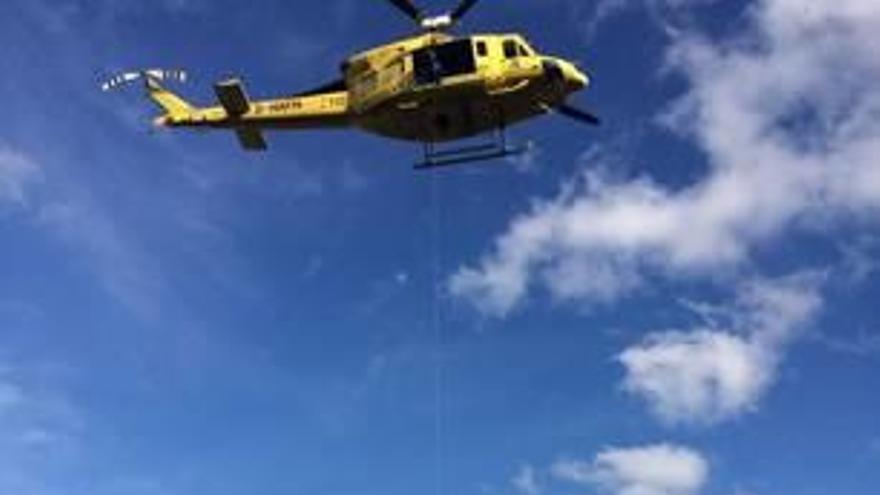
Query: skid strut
{"points": [[436, 158]]}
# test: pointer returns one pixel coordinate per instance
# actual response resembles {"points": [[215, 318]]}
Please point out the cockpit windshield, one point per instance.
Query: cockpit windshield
{"points": [[514, 48]]}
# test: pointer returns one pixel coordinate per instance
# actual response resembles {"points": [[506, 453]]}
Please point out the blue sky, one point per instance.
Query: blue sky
{"points": [[682, 302]]}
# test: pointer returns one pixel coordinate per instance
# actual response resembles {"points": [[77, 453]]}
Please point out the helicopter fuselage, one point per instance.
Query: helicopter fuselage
{"points": [[433, 87], [430, 87]]}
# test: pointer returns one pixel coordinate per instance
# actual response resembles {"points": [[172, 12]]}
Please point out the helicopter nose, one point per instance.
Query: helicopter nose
{"points": [[566, 74], [577, 79]]}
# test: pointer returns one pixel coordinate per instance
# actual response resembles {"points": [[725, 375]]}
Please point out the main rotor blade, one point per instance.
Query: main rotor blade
{"points": [[463, 8], [578, 114], [407, 7]]}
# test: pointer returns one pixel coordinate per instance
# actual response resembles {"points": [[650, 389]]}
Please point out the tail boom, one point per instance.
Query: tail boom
{"points": [[327, 108]]}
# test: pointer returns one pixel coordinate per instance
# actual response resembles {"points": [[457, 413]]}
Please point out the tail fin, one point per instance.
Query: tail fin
{"points": [[173, 105]]}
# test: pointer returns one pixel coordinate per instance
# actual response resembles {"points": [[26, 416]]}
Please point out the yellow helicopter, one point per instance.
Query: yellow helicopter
{"points": [[433, 87]]}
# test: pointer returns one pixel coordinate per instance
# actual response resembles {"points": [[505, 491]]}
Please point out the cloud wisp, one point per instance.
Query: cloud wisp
{"points": [[17, 172], [75, 220], [40, 431], [526, 480], [789, 117], [604, 10]]}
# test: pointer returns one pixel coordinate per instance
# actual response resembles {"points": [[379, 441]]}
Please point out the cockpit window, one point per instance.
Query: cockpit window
{"points": [[523, 51], [510, 49]]}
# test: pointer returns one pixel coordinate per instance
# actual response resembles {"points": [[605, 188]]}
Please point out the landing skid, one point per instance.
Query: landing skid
{"points": [[437, 158]]}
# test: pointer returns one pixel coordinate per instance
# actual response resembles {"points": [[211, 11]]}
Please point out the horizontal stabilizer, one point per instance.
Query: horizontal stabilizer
{"points": [[251, 139], [232, 96]]}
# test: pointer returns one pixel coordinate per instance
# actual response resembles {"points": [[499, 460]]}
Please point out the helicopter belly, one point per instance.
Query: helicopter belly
{"points": [[446, 119]]}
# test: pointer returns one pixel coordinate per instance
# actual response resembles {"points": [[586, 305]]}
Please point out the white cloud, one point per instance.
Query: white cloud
{"points": [[707, 375], [652, 470], [697, 376], [17, 171], [789, 118]]}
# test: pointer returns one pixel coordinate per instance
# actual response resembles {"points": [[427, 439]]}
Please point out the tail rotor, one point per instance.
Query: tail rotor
{"points": [[155, 75], [175, 108]]}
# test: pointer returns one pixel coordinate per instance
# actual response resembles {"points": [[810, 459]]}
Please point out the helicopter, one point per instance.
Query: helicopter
{"points": [[433, 87]]}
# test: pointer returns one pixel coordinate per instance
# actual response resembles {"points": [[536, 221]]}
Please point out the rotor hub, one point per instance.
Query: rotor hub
{"points": [[437, 23], [434, 23]]}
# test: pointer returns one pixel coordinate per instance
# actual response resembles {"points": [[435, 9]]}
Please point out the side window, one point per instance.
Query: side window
{"points": [[426, 67], [522, 50], [447, 60], [482, 51], [510, 49]]}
